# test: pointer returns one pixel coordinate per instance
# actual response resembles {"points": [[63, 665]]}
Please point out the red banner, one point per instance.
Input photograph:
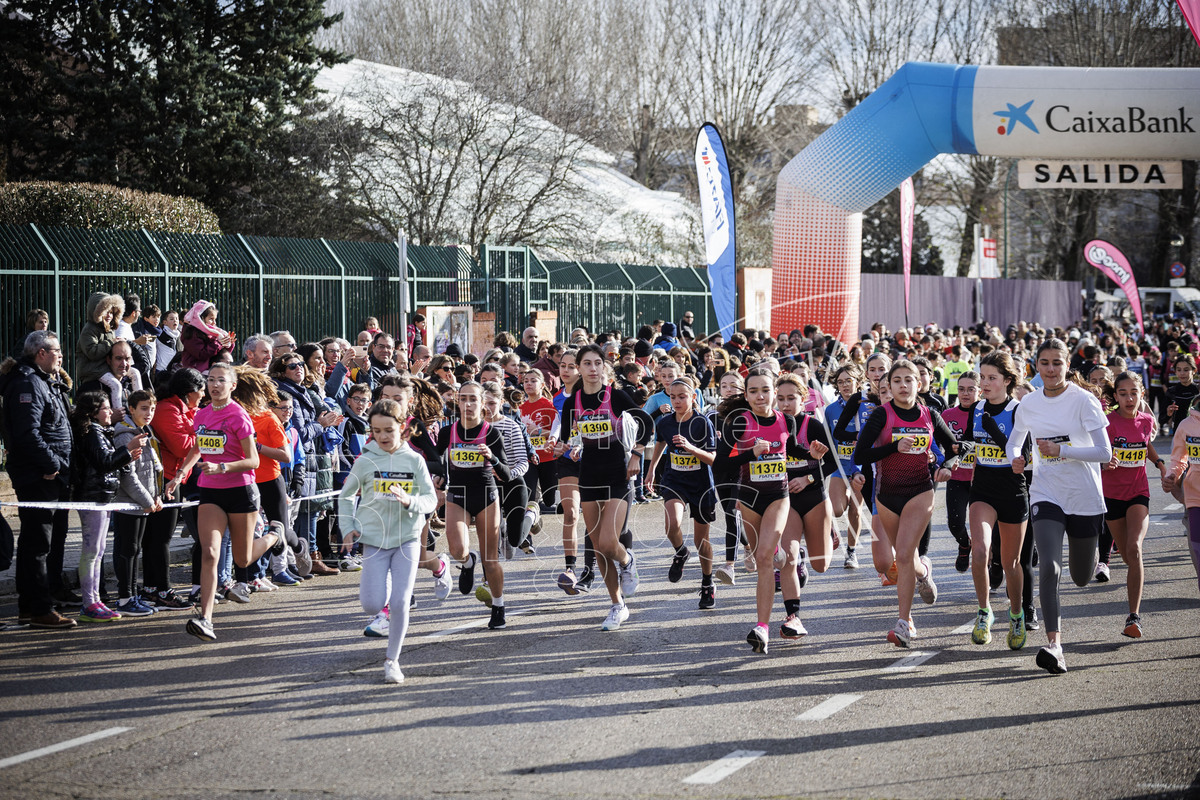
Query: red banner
{"points": [[1112, 262]]}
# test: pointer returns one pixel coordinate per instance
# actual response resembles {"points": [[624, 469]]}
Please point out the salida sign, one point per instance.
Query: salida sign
{"points": [[1037, 174]]}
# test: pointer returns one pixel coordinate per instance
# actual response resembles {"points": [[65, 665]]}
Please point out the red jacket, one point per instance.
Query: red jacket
{"points": [[175, 426]]}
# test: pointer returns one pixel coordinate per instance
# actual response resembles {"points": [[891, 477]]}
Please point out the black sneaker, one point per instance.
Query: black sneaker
{"points": [[65, 598], [676, 570], [963, 562], [169, 600], [995, 575], [1031, 619], [466, 575], [584, 584], [708, 597], [496, 623]]}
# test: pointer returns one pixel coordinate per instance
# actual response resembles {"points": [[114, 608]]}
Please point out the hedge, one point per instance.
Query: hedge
{"points": [[91, 205]]}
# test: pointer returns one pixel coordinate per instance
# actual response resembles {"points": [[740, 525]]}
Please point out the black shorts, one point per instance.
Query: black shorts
{"points": [[567, 468], [606, 491], [758, 500], [473, 501], [805, 501], [1077, 526], [234, 500], [701, 503], [1117, 509], [1011, 510], [895, 503]]}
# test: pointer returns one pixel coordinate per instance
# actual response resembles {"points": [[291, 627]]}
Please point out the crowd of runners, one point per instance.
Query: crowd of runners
{"points": [[286, 461]]}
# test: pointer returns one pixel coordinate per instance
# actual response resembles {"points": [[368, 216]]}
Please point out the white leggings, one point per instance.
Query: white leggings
{"points": [[397, 566]]}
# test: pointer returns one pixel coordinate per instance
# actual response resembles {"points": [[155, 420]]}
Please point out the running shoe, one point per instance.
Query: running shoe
{"points": [[724, 573], [584, 584], [792, 628], [201, 628], [1017, 632], [751, 564], [98, 612], [496, 623], [466, 575], [527, 547], [780, 558], [66, 598], [901, 634], [568, 582], [350, 564], [483, 594], [134, 607], [1102, 572], [851, 561], [995, 575], [925, 586], [1031, 619], [1050, 658], [708, 597], [963, 562], [757, 638], [285, 578], [379, 625], [889, 578], [276, 530], [303, 562], [629, 577], [802, 568], [677, 563], [169, 601], [535, 512], [441, 583], [1133, 626], [264, 585], [391, 671], [238, 593], [193, 597], [616, 615], [505, 549], [982, 634]]}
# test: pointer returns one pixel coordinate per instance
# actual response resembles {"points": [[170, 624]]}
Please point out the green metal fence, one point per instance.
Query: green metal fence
{"points": [[316, 287]]}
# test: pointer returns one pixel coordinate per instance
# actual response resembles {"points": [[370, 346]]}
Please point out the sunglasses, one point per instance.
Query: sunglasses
{"points": [[294, 365]]}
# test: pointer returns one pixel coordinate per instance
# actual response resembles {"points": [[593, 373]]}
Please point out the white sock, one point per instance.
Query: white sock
{"points": [[497, 602]]}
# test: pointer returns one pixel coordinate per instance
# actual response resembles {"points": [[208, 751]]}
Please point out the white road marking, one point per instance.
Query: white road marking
{"points": [[724, 767], [1168, 787], [1173, 507], [910, 662], [961, 629], [67, 745], [828, 708]]}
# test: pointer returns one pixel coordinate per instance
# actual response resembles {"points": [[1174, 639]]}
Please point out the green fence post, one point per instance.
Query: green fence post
{"points": [[57, 275], [262, 289], [342, 283], [670, 294], [166, 302]]}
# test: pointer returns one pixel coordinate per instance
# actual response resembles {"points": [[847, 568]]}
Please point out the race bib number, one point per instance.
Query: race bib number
{"points": [[596, 428], [920, 437], [1132, 455], [384, 481], [1193, 449], [768, 469], [967, 461], [845, 451], [990, 455], [538, 442], [211, 443], [1060, 440], [685, 462], [466, 456]]}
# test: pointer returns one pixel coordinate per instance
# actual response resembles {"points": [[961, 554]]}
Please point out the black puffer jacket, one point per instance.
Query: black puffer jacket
{"points": [[36, 423], [96, 468]]}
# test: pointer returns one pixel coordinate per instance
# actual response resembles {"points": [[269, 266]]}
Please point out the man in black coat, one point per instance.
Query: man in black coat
{"points": [[37, 430]]}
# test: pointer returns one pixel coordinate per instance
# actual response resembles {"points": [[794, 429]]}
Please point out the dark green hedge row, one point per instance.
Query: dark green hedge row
{"points": [[91, 205]]}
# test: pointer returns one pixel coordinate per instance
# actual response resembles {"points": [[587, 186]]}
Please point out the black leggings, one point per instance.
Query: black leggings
{"points": [[957, 493], [127, 543], [275, 507], [514, 496], [727, 498], [542, 481], [156, 548]]}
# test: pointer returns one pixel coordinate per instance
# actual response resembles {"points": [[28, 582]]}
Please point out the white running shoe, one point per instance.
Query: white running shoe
{"points": [[350, 564], [238, 593], [780, 558], [535, 513], [792, 628], [851, 561], [441, 583], [1103, 573], [264, 585], [724, 573], [616, 615], [629, 578], [925, 586], [1050, 658], [900, 635], [379, 626], [391, 671], [757, 638]]}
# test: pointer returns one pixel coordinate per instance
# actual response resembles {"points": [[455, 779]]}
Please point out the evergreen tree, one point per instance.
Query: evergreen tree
{"points": [[881, 240], [187, 97]]}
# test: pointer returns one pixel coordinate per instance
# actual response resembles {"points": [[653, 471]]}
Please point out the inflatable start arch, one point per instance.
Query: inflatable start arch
{"points": [[928, 109]]}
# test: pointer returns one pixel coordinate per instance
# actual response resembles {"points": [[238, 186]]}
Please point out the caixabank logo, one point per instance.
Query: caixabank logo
{"points": [[1063, 118]]}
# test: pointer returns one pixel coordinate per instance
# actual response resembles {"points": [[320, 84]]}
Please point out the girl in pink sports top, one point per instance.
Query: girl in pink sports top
{"points": [[1127, 489]]}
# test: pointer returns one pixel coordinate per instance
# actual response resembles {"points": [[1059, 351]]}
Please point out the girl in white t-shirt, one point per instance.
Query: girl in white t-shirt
{"points": [[1068, 426]]}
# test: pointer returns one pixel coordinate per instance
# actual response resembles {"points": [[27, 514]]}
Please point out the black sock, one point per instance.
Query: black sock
{"points": [[706, 580], [849, 550], [681, 550], [626, 539], [570, 561], [791, 606]]}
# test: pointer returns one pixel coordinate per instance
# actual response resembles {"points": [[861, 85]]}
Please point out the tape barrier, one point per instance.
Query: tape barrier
{"points": [[79, 506]]}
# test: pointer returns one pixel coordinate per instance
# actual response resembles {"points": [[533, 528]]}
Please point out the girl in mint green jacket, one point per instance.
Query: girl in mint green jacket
{"points": [[395, 493]]}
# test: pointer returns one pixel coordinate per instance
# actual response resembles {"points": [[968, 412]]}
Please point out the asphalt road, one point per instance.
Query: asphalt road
{"points": [[290, 701]]}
